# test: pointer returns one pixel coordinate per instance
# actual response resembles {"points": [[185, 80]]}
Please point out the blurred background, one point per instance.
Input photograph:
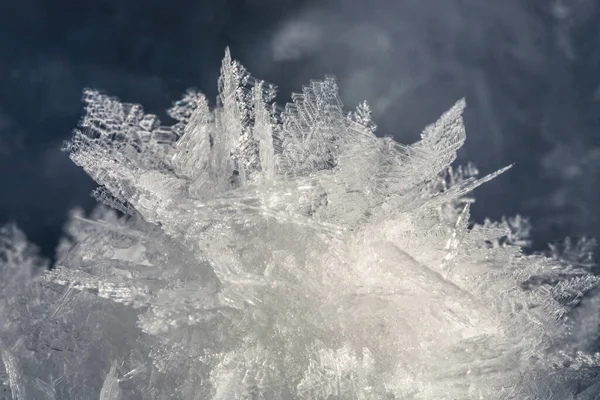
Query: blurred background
{"points": [[530, 72]]}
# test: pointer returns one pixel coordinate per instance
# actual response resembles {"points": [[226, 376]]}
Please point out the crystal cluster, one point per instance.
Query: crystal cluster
{"points": [[268, 253]]}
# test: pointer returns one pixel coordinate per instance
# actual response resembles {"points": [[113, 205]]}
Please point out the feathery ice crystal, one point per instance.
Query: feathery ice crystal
{"points": [[271, 253]]}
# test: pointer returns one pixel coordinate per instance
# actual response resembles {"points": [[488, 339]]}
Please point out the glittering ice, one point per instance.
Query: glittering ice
{"points": [[288, 253]]}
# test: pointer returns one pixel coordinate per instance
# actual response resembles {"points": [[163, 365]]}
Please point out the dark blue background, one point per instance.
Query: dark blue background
{"points": [[529, 70]]}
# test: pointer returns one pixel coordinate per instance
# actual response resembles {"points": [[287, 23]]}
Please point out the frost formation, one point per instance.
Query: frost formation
{"points": [[271, 253]]}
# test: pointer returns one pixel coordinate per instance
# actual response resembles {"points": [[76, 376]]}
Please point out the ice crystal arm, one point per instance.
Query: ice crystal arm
{"points": [[194, 147], [263, 129], [442, 139]]}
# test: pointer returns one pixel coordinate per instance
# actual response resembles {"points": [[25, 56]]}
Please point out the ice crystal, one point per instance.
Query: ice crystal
{"points": [[288, 253]]}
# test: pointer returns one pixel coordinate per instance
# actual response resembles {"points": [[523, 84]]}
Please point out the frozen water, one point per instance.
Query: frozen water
{"points": [[281, 253]]}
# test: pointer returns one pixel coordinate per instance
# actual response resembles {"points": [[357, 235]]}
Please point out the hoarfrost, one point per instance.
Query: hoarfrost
{"points": [[275, 253]]}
